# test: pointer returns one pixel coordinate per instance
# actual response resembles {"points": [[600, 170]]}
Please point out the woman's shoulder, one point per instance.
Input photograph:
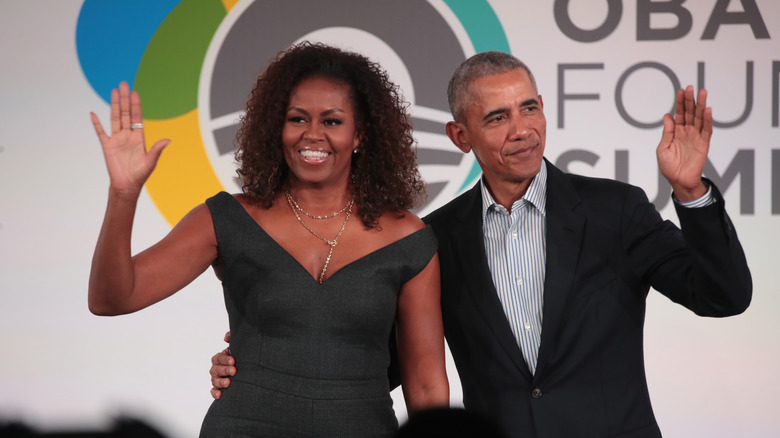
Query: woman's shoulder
{"points": [[250, 204], [398, 225], [414, 241], [226, 206]]}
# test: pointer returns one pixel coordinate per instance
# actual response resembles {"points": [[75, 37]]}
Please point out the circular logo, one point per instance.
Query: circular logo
{"points": [[194, 63]]}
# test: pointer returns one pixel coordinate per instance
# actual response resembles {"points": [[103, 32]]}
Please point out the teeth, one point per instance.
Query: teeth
{"points": [[313, 154]]}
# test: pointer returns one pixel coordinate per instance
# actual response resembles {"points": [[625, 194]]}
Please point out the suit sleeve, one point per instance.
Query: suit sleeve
{"points": [[701, 266]]}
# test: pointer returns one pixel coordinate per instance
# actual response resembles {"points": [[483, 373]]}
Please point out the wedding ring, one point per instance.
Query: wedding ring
{"points": [[136, 126]]}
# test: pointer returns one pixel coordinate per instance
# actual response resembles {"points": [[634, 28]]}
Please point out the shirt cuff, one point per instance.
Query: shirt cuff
{"points": [[703, 201]]}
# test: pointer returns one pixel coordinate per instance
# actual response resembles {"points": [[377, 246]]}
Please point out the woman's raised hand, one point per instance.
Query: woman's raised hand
{"points": [[129, 163]]}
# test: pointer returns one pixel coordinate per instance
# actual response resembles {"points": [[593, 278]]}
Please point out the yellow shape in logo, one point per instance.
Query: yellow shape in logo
{"points": [[229, 4], [184, 176]]}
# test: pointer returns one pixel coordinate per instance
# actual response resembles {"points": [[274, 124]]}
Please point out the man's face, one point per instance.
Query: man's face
{"points": [[505, 128]]}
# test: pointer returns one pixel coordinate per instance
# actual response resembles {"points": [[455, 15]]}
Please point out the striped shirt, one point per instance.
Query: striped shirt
{"points": [[516, 249]]}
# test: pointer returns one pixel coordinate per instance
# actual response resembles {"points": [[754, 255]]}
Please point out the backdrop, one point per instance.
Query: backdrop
{"points": [[607, 70]]}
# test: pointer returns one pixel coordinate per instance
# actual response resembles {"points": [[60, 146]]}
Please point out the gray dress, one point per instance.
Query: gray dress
{"points": [[312, 358]]}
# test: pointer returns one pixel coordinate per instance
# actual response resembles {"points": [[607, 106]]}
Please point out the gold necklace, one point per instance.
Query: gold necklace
{"points": [[295, 206], [331, 243]]}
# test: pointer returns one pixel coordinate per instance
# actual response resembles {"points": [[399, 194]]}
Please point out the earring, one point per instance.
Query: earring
{"points": [[354, 151]]}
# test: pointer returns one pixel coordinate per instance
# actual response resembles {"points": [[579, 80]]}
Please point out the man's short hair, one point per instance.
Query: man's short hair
{"points": [[478, 66]]}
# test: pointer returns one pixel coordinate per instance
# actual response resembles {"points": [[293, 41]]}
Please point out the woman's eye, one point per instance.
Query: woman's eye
{"points": [[332, 122], [296, 119]]}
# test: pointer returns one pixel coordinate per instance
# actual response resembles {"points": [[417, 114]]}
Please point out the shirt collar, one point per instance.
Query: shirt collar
{"points": [[536, 194]]}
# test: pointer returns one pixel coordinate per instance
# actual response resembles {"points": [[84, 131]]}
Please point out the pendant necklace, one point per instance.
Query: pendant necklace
{"points": [[331, 243]]}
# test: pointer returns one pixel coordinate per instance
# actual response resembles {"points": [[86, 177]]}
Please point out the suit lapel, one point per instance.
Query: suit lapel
{"points": [[565, 230], [469, 246]]}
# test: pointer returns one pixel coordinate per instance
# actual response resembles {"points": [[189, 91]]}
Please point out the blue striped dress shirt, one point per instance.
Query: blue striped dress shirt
{"points": [[516, 249]]}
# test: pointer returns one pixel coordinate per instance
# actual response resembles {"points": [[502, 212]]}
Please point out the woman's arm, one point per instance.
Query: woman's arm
{"points": [[421, 341], [120, 284]]}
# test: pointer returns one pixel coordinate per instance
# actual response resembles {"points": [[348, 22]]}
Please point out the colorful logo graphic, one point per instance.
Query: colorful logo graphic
{"points": [[194, 62]]}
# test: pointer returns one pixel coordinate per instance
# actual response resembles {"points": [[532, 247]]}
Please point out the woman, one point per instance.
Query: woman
{"points": [[318, 256]]}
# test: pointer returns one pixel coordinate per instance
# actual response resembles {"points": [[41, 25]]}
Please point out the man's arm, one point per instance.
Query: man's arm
{"points": [[717, 281], [223, 366], [685, 142]]}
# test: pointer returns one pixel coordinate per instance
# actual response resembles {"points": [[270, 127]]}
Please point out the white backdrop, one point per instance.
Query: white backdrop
{"points": [[62, 367]]}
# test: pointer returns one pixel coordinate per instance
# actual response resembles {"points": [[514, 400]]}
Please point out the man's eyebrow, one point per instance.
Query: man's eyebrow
{"points": [[527, 102], [494, 113]]}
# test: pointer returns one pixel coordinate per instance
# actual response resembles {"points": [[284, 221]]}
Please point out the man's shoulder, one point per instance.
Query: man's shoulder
{"points": [[554, 174], [589, 187]]}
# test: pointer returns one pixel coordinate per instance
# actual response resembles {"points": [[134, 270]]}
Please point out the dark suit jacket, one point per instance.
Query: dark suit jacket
{"points": [[606, 246]]}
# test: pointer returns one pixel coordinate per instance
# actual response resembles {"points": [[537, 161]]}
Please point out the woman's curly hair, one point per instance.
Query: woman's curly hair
{"points": [[384, 170]]}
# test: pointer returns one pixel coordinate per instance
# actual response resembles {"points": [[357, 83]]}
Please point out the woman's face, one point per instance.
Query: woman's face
{"points": [[319, 132]]}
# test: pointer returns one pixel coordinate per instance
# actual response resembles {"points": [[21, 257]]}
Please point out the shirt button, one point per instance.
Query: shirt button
{"points": [[519, 280], [528, 326], [514, 234], [536, 393]]}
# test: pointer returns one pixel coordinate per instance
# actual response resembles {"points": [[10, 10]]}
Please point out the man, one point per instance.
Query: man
{"points": [[545, 274]]}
